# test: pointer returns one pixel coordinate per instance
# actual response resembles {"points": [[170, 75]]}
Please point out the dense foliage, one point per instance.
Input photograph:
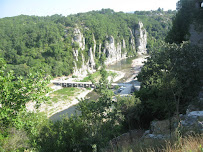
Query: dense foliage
{"points": [[17, 125], [46, 42], [34, 42], [188, 13], [16, 92], [97, 124], [170, 80], [89, 131]]}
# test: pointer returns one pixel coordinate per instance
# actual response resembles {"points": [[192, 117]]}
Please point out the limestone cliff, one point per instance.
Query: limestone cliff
{"points": [[79, 38], [86, 66], [91, 59], [132, 39], [141, 39], [113, 50]]}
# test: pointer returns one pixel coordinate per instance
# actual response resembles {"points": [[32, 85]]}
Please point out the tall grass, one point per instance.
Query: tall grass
{"points": [[187, 144], [63, 94]]}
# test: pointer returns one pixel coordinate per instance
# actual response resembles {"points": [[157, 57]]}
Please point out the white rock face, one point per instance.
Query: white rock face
{"points": [[79, 38], [123, 44], [100, 46], [91, 59], [83, 71], [90, 64], [75, 54], [132, 40], [112, 51], [94, 49], [141, 39], [124, 54]]}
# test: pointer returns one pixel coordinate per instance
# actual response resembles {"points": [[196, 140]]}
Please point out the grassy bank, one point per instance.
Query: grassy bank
{"points": [[60, 99], [63, 94], [96, 76]]}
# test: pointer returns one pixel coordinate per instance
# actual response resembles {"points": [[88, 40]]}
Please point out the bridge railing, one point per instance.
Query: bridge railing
{"points": [[81, 84]]}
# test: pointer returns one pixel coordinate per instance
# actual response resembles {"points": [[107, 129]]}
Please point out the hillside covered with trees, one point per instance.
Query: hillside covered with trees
{"points": [[46, 42], [170, 79]]}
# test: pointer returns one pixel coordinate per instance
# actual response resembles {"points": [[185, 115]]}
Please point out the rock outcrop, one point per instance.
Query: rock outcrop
{"points": [[129, 137], [191, 122], [113, 51], [86, 66], [141, 39], [132, 39], [79, 38], [91, 59]]}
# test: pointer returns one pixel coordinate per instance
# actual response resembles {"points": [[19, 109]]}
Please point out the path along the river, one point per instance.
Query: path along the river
{"points": [[127, 70]]}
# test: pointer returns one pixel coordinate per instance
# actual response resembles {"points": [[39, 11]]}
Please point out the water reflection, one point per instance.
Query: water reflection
{"points": [[67, 112], [123, 66]]}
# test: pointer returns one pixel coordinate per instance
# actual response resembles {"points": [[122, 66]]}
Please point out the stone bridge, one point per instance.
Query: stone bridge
{"points": [[65, 83]]}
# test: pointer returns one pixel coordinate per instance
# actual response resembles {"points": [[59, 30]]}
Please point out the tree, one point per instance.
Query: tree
{"points": [[101, 115], [16, 92], [170, 80], [187, 14], [160, 9], [91, 130]]}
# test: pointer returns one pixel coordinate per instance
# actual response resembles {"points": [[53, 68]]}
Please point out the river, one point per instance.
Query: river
{"points": [[124, 66]]}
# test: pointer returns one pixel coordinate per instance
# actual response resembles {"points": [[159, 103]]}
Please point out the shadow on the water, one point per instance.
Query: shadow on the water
{"points": [[67, 112], [72, 110]]}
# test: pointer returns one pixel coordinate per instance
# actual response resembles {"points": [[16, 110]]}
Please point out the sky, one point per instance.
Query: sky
{"points": [[10, 8]]}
